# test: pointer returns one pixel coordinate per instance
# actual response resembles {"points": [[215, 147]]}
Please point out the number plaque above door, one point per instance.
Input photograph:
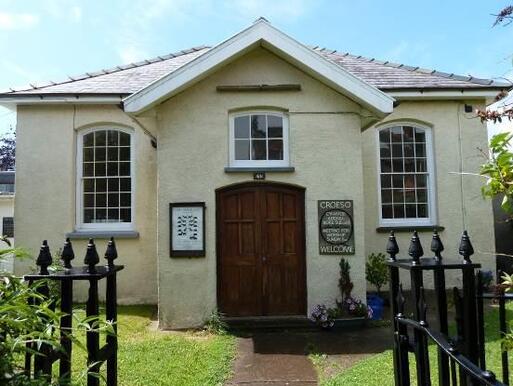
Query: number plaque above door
{"points": [[187, 229]]}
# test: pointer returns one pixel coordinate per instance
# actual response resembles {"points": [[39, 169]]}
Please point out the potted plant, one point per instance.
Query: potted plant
{"points": [[376, 273]]}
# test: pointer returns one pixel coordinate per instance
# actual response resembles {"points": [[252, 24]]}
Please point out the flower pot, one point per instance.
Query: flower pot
{"points": [[376, 304]]}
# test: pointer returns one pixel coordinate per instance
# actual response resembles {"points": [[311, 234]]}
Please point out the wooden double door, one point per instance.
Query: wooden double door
{"points": [[261, 250]]}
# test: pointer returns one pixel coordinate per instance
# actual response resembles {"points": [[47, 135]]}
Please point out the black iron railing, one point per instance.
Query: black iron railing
{"points": [[96, 356], [460, 359]]}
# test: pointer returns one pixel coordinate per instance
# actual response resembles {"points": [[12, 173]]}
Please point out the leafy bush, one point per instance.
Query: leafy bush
{"points": [[376, 271], [215, 323]]}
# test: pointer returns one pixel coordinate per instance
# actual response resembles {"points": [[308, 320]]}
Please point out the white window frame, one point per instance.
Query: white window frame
{"points": [[431, 220], [259, 163], [79, 222]]}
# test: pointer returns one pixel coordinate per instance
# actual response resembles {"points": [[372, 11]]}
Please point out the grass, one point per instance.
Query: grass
{"points": [[378, 370], [147, 356]]}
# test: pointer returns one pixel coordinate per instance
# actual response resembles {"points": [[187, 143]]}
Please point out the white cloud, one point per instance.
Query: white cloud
{"points": [[67, 10], [131, 53], [17, 21], [76, 13]]}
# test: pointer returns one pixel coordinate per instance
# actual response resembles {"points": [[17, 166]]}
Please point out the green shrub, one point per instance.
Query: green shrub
{"points": [[376, 271]]}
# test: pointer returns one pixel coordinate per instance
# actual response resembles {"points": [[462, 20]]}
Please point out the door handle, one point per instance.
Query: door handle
{"points": [[264, 258]]}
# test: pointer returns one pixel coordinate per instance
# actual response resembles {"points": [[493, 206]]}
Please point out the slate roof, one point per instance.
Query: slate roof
{"points": [[127, 79]]}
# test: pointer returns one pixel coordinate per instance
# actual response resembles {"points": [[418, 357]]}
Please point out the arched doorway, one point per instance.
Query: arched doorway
{"points": [[261, 249]]}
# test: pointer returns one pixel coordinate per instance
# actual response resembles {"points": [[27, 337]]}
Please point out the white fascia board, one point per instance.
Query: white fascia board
{"points": [[261, 34], [459, 94], [11, 102]]}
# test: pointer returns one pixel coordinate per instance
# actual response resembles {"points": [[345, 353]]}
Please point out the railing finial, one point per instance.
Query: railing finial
{"points": [[466, 249], [392, 246], [44, 260], [91, 257], [111, 253], [415, 250], [67, 254], [437, 246]]}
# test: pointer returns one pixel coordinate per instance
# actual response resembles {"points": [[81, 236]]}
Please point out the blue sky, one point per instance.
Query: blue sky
{"points": [[45, 40]]}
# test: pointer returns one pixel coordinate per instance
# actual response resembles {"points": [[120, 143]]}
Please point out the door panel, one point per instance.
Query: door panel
{"points": [[261, 262]]}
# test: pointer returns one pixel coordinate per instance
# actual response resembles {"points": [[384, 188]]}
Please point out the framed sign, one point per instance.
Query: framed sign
{"points": [[336, 228], [187, 229]]}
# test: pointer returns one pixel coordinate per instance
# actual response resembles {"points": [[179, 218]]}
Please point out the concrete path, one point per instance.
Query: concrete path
{"points": [[281, 358]]}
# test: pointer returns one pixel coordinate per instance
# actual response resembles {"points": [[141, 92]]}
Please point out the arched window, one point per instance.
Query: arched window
{"points": [[259, 139], [104, 178], [406, 179]]}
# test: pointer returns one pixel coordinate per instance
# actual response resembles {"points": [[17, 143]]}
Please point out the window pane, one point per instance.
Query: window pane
{"points": [[419, 135], [386, 196], [422, 210], [113, 215], [124, 139], [113, 184], [124, 184], [386, 211], [88, 169], [101, 215], [386, 181], [88, 215], [408, 150], [384, 150], [113, 199], [409, 165], [421, 180], [258, 151], [241, 126], [384, 136], [420, 150], [112, 138], [242, 149], [411, 211], [99, 169], [100, 138], [99, 153], [89, 139], [397, 165], [112, 168], [274, 126], [125, 215], [89, 185], [258, 126], [112, 153], [101, 185], [89, 200], [101, 200], [124, 199], [397, 181], [422, 195], [275, 149], [124, 168], [399, 211], [397, 150], [409, 195], [421, 165], [124, 154], [397, 134], [408, 134], [88, 154], [398, 195], [386, 165], [409, 181]]}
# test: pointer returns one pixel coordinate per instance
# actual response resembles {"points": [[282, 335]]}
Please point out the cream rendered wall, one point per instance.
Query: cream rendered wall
{"points": [[459, 202], [45, 192], [325, 149]]}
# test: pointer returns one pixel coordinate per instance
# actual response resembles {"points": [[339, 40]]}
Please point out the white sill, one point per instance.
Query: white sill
{"points": [[269, 169], [102, 234]]}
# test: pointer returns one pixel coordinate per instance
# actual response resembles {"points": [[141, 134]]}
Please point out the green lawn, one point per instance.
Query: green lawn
{"points": [[378, 369], [150, 357]]}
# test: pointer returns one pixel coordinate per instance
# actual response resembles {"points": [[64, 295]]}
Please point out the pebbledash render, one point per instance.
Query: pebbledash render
{"points": [[235, 177]]}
